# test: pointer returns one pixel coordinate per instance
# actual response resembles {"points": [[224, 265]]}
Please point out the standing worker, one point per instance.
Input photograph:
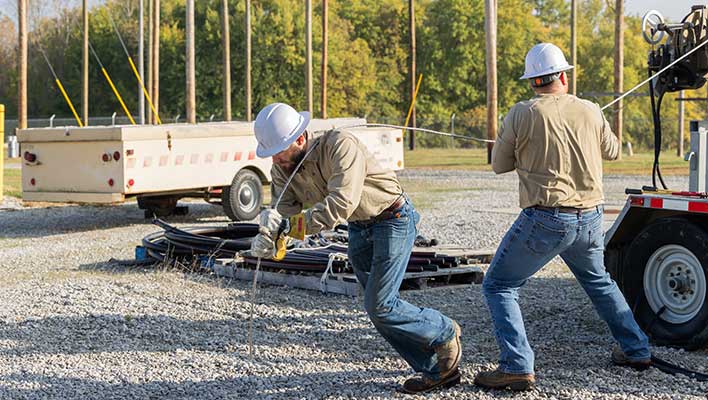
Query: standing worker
{"points": [[342, 181], [556, 143]]}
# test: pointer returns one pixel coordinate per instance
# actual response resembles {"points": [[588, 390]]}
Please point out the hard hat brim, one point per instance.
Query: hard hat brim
{"points": [[263, 152], [555, 71]]}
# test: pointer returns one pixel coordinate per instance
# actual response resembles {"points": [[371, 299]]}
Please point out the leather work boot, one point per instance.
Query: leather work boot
{"points": [[498, 379], [423, 384], [449, 354], [619, 358]]}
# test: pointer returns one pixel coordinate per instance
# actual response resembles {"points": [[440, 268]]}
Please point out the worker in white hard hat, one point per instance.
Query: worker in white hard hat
{"points": [[342, 182], [556, 143]]}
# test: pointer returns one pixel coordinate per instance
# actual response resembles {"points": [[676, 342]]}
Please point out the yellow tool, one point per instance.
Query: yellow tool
{"points": [[294, 227]]}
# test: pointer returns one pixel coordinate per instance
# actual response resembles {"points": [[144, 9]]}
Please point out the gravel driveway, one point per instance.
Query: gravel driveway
{"points": [[75, 325]]}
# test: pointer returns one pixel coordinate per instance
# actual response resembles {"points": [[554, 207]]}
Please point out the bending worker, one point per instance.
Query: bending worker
{"points": [[343, 182], [556, 143]]}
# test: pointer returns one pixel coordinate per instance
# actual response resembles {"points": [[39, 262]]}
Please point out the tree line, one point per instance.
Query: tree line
{"points": [[367, 59]]}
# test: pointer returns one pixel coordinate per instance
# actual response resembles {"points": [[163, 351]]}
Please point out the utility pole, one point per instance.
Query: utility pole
{"points": [[411, 19], [308, 56], [681, 122], [22, 64], [490, 10], [189, 63], [156, 56], [84, 65], [226, 44], [619, 68], [141, 61], [248, 61], [325, 44], [574, 46], [150, 56]]}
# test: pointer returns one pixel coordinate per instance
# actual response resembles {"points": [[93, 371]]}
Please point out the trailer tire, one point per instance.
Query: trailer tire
{"points": [[243, 199], [664, 281]]}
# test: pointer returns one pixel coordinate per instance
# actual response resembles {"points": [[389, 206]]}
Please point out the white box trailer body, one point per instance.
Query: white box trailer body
{"points": [[107, 164]]}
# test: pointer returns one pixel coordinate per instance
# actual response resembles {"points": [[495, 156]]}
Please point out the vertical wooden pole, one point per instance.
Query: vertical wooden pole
{"points": [[85, 64], [150, 57], [156, 55], [491, 29], [325, 44], [619, 68], [141, 60], [248, 61], [681, 122], [191, 99], [412, 70], [22, 64], [308, 55], [574, 46], [226, 44]]}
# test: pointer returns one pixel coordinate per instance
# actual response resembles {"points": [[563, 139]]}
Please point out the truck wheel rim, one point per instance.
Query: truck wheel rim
{"points": [[674, 279], [247, 197]]}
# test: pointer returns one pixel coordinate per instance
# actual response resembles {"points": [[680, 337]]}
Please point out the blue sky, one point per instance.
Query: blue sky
{"points": [[672, 10]]}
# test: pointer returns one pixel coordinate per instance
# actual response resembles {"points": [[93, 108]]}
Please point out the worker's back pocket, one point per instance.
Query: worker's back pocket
{"points": [[544, 239]]}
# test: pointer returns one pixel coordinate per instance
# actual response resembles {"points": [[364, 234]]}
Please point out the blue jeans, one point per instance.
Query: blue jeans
{"points": [[379, 253], [535, 238]]}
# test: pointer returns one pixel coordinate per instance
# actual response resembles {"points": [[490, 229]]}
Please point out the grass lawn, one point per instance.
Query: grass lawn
{"points": [[476, 160], [12, 184]]}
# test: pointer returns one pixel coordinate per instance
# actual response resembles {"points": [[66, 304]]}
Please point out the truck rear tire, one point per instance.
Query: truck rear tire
{"points": [[243, 199], [664, 280]]}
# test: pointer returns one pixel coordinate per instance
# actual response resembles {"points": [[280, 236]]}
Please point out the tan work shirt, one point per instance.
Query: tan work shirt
{"points": [[556, 143], [340, 179]]}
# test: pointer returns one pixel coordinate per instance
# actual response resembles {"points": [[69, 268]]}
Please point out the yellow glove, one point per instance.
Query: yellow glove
{"points": [[293, 227]]}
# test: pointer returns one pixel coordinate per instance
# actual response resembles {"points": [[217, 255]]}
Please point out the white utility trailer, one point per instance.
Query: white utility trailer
{"points": [[657, 252], [159, 164]]}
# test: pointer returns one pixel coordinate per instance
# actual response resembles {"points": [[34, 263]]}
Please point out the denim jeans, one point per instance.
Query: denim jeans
{"points": [[379, 253], [533, 240]]}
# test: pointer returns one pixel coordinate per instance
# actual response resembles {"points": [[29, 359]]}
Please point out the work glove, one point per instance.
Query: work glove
{"points": [[270, 220], [263, 246]]}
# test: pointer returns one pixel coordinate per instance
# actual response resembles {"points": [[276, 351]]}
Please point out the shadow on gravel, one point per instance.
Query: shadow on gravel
{"points": [[39, 222], [349, 384]]}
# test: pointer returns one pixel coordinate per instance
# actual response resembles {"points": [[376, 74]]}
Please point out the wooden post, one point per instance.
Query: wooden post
{"points": [[141, 60], [308, 55], [619, 68], [22, 64], [681, 122], [574, 46], [149, 118], [85, 64], [248, 61], [226, 44], [412, 72], [325, 43], [156, 55], [491, 29], [189, 65]]}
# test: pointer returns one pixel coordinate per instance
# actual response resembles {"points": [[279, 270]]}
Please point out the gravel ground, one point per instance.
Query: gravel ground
{"points": [[75, 325]]}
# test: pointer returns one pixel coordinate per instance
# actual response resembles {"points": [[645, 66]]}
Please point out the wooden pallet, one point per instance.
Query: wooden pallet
{"points": [[347, 284]]}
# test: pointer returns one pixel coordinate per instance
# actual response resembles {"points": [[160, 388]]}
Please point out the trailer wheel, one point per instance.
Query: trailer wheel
{"points": [[243, 199], [664, 280]]}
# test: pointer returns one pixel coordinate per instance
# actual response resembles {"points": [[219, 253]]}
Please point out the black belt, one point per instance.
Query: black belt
{"points": [[565, 210], [388, 213]]}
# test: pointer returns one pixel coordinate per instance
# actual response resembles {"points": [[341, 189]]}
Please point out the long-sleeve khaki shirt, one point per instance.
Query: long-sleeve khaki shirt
{"points": [[340, 178], [556, 143]]}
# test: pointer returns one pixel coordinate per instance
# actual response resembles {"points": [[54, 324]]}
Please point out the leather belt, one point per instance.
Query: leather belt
{"points": [[388, 213], [565, 210]]}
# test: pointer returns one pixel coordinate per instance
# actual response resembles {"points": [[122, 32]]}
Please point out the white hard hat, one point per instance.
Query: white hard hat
{"points": [[277, 126], [545, 59]]}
